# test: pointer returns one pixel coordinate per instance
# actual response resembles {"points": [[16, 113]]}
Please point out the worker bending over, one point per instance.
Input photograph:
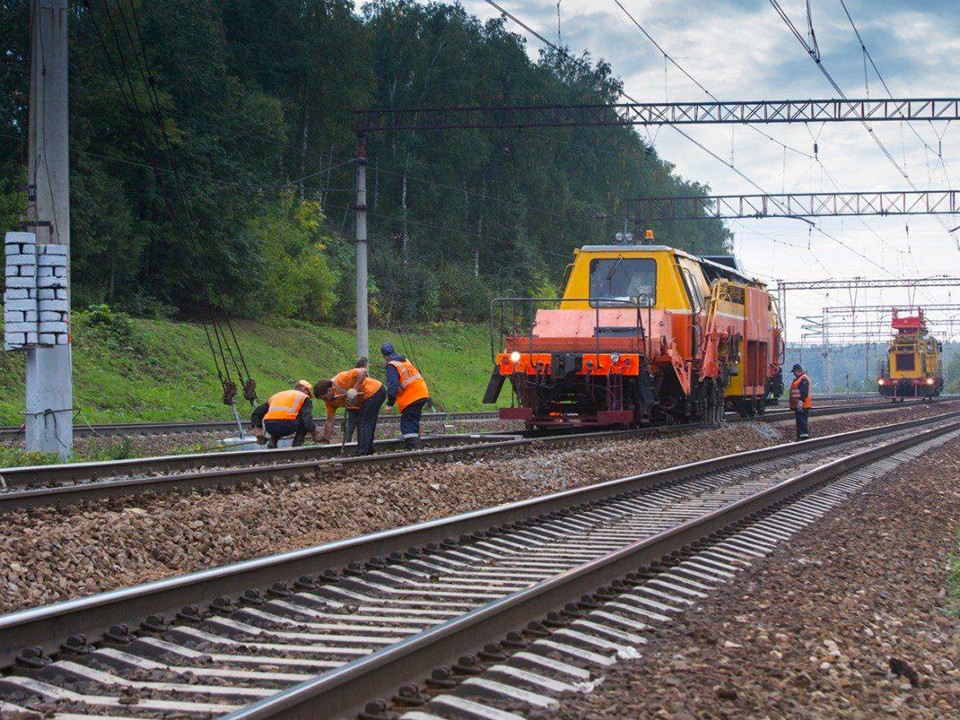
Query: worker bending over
{"points": [[289, 412], [407, 388], [353, 413], [353, 388], [801, 401]]}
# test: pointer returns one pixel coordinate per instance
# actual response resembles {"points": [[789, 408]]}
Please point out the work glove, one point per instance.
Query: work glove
{"points": [[351, 397]]}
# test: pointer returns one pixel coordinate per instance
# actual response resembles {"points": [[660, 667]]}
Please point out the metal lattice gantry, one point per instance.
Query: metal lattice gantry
{"points": [[614, 115], [856, 284], [831, 334], [887, 309], [855, 329], [794, 205], [864, 283], [666, 113]]}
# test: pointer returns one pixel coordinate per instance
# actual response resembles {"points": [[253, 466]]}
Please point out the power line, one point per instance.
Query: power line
{"points": [[669, 58], [883, 82], [133, 106], [714, 155], [486, 197], [815, 56]]}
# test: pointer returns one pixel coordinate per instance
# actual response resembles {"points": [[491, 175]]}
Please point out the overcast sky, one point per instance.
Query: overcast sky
{"points": [[742, 50]]}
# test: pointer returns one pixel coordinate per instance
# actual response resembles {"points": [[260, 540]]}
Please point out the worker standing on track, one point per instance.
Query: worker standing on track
{"points": [[407, 388], [353, 413], [289, 412], [801, 401], [353, 388]]}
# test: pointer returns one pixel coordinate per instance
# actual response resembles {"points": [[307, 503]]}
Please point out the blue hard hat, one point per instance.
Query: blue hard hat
{"points": [[386, 349]]}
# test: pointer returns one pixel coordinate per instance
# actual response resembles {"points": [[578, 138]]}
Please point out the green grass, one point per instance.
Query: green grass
{"points": [[134, 370]]}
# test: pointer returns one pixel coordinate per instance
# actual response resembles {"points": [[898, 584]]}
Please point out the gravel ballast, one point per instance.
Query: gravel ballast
{"points": [[53, 554], [137, 446], [814, 630]]}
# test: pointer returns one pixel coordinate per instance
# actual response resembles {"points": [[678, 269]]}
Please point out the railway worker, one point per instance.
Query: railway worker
{"points": [[408, 390], [353, 414], [800, 401], [354, 389], [288, 412]]}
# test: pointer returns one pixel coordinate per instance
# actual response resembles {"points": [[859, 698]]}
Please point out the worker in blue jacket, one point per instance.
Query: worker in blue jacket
{"points": [[407, 388]]}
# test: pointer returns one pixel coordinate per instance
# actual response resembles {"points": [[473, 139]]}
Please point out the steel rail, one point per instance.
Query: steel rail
{"points": [[218, 426], [45, 627], [87, 471], [46, 485], [221, 474], [343, 691], [27, 475], [226, 474]]}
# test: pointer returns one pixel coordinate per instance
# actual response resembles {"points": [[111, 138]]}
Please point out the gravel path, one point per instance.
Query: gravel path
{"points": [[812, 631]]}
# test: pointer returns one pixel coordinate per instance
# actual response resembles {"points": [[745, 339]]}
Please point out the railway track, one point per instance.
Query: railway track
{"points": [[8, 432], [319, 632], [45, 485], [12, 432]]}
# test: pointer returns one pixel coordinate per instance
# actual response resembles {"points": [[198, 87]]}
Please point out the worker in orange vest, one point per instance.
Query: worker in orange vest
{"points": [[801, 401], [353, 414], [353, 389], [289, 412], [407, 388]]}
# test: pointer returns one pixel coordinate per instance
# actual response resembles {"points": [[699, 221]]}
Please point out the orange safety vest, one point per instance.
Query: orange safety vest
{"points": [[285, 405], [412, 385], [795, 394], [346, 380]]}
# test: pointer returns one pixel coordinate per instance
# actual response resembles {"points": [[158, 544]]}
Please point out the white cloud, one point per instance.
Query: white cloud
{"points": [[741, 50]]}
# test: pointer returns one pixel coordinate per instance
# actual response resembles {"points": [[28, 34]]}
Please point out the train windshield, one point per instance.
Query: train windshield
{"points": [[624, 279]]}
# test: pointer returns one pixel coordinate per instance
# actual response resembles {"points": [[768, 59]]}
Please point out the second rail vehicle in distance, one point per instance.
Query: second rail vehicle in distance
{"points": [[913, 368]]}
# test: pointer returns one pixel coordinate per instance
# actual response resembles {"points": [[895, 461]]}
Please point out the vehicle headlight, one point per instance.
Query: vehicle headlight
{"points": [[929, 381], [880, 381], [615, 358], [515, 357]]}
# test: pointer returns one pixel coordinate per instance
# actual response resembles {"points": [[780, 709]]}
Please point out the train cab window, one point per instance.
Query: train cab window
{"points": [[624, 279]]}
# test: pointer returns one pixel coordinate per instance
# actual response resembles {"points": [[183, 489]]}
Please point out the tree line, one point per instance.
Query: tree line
{"points": [[247, 106]]}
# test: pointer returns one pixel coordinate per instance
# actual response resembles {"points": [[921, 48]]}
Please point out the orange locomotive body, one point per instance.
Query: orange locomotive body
{"points": [[642, 334]]}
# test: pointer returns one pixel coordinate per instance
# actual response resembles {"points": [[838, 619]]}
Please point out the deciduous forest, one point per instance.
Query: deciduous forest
{"points": [[256, 101]]}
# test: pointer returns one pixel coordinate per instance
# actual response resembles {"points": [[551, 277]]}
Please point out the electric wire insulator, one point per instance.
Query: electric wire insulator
{"points": [[250, 391], [229, 392]]}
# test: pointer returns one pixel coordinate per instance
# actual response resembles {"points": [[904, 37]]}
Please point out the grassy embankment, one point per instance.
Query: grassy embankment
{"points": [[133, 370]]}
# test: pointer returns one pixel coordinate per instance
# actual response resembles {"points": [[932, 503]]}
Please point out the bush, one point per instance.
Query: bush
{"points": [[117, 329], [142, 304], [461, 295], [297, 280], [402, 294]]}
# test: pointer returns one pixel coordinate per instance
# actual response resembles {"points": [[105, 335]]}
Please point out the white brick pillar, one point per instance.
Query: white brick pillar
{"points": [[20, 311]]}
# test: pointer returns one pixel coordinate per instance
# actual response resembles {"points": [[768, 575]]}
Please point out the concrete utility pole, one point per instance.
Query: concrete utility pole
{"points": [[49, 401], [363, 332]]}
